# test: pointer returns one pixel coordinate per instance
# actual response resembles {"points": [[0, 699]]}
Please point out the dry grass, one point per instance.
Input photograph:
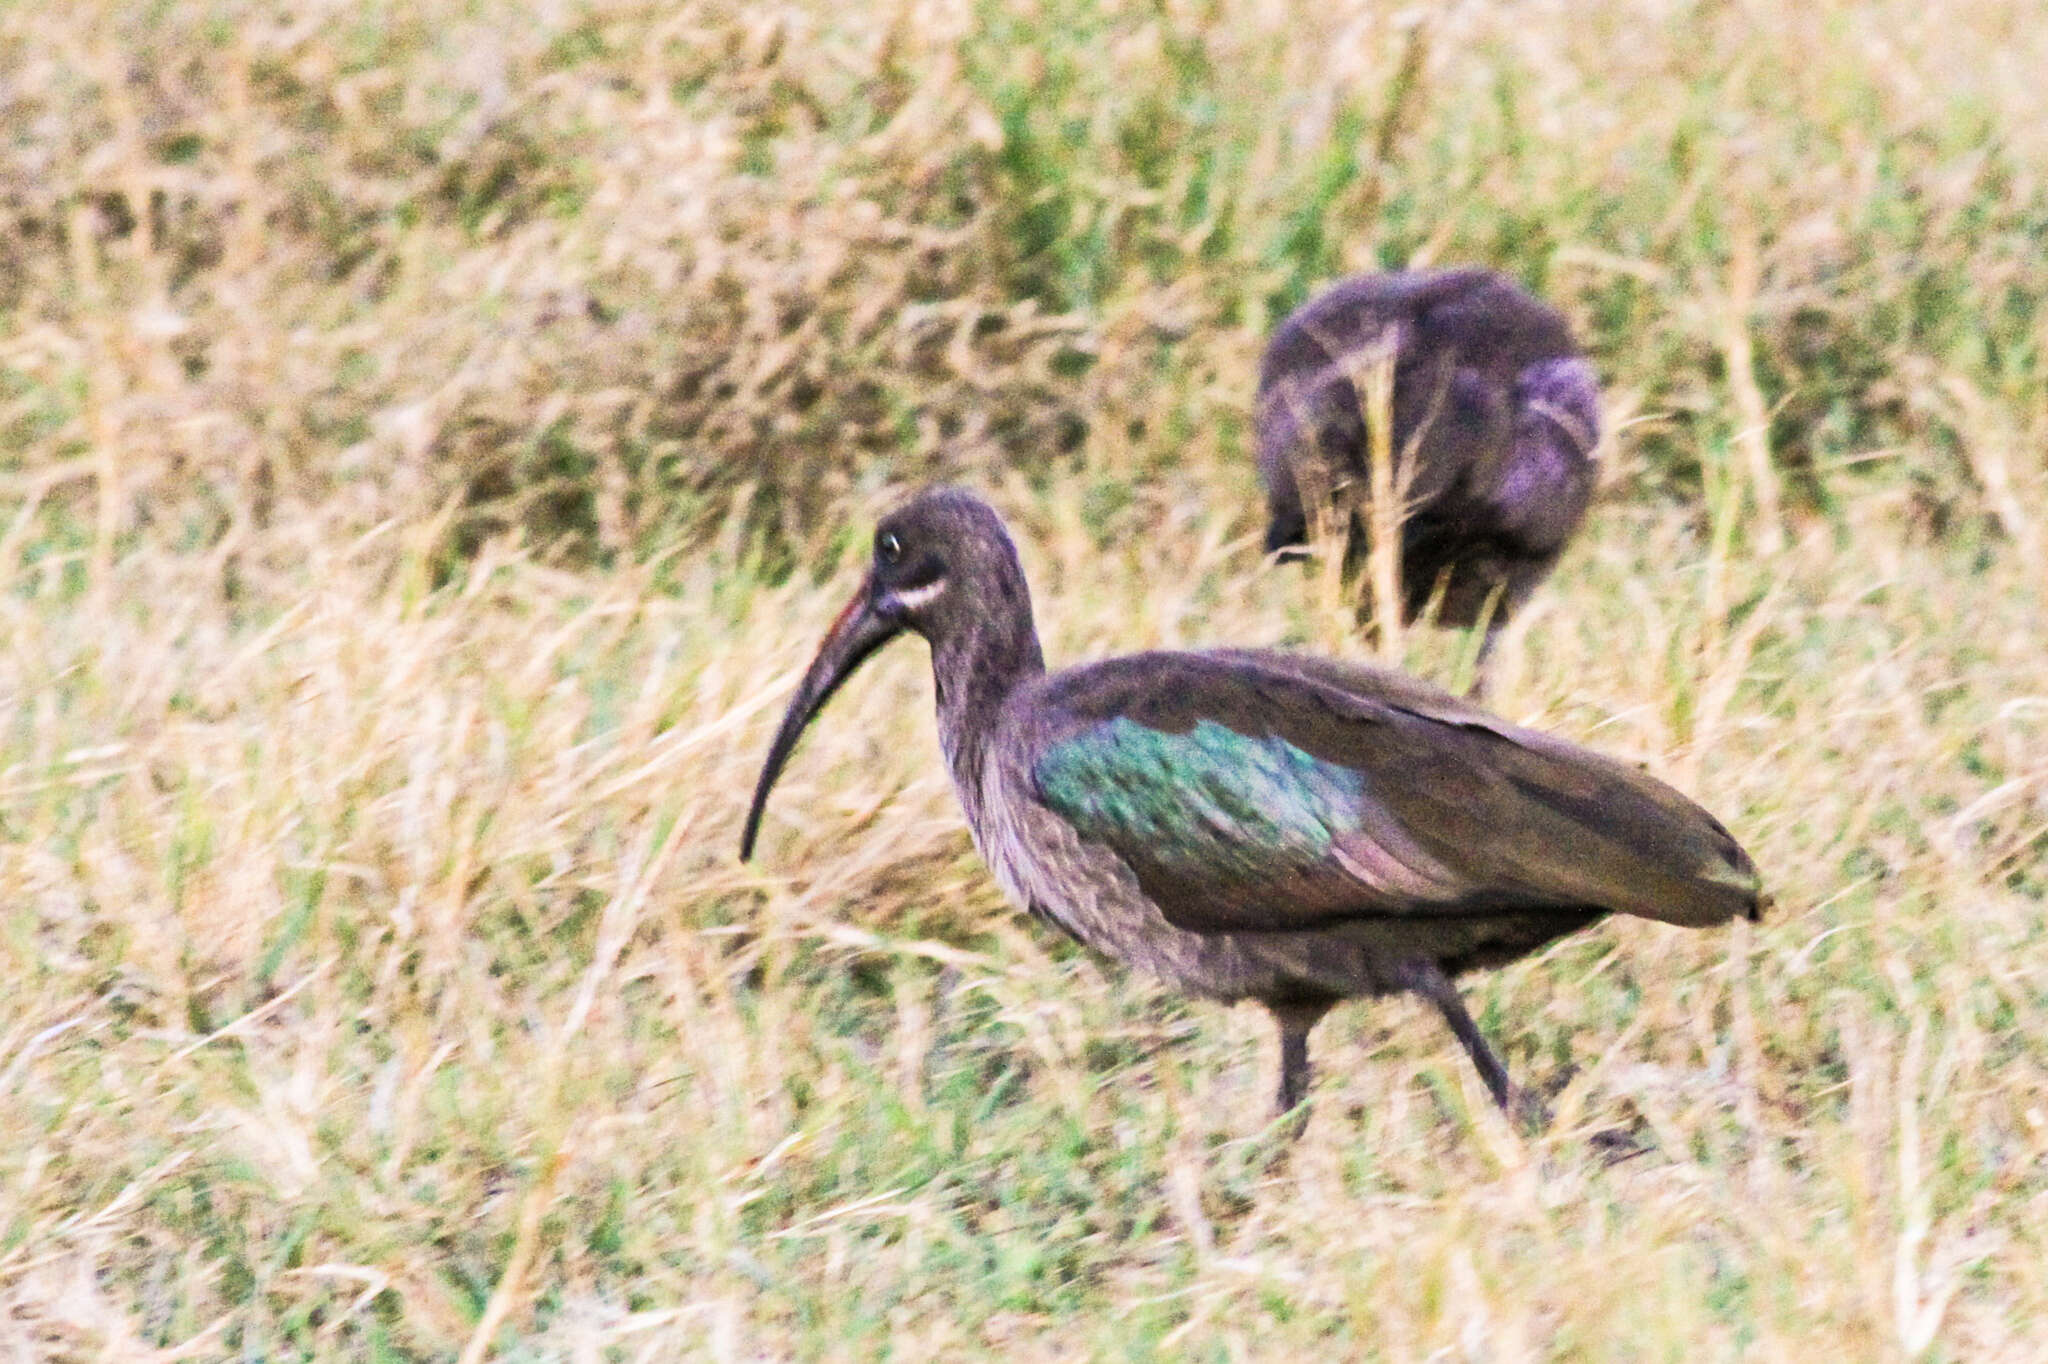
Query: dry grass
{"points": [[412, 414]]}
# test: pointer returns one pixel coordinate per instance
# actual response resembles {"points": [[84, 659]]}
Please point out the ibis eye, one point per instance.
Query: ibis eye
{"points": [[888, 548]]}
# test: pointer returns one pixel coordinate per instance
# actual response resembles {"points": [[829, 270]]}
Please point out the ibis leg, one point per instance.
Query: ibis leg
{"points": [[1477, 691], [1427, 979], [1296, 1020], [1294, 1070]]}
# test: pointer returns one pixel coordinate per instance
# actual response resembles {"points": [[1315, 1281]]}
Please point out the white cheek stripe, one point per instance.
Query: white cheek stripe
{"points": [[920, 596]]}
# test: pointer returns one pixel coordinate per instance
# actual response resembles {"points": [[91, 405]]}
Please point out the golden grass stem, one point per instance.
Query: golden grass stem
{"points": [[1753, 435], [512, 1283], [621, 919], [1385, 511]]}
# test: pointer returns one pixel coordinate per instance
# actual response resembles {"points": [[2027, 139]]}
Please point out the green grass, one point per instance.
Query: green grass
{"points": [[432, 440]]}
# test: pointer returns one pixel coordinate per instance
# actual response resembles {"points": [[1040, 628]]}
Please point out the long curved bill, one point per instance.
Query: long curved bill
{"points": [[859, 631]]}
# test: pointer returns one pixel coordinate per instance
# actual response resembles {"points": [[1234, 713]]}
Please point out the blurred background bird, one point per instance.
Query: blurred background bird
{"points": [[1494, 422]]}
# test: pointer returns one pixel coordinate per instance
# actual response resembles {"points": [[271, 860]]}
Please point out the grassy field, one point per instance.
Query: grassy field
{"points": [[432, 437]]}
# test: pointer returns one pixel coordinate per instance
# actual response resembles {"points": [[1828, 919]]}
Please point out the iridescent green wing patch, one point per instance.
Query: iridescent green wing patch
{"points": [[1210, 802]]}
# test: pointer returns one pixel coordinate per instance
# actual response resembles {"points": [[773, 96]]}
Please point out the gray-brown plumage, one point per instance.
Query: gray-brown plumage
{"points": [[1253, 824], [1490, 391]]}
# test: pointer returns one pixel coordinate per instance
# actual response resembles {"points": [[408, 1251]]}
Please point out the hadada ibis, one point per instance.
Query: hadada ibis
{"points": [[1259, 824], [1496, 417]]}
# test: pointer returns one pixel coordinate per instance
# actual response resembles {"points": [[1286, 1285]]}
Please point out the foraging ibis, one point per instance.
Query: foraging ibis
{"points": [[1495, 423], [1259, 824]]}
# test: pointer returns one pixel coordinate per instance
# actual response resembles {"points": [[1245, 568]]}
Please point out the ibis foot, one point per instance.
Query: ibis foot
{"points": [[1614, 1145]]}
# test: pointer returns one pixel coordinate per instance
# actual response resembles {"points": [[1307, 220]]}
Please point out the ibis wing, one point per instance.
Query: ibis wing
{"points": [[1265, 792]]}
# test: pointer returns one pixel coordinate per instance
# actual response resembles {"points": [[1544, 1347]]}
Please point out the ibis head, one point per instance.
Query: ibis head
{"points": [[942, 567]]}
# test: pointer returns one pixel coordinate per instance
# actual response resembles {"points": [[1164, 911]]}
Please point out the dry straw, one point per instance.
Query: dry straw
{"points": [[430, 436]]}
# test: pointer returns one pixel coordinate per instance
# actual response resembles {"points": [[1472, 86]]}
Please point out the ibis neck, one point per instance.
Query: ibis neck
{"points": [[975, 667]]}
